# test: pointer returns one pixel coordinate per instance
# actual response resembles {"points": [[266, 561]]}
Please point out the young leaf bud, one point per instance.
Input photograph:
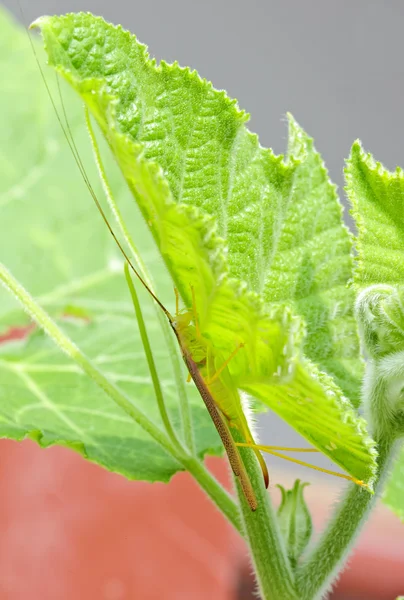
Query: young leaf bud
{"points": [[295, 521]]}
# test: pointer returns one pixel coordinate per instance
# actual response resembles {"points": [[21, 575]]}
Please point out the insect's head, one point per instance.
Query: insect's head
{"points": [[182, 319]]}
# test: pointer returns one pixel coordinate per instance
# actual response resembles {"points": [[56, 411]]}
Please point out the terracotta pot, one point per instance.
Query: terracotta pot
{"points": [[72, 530]]}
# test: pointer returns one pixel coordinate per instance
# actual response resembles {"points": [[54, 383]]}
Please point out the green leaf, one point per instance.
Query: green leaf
{"points": [[166, 125], [44, 396], [377, 198], [311, 264], [228, 314], [342, 437], [393, 494], [295, 520], [263, 206]]}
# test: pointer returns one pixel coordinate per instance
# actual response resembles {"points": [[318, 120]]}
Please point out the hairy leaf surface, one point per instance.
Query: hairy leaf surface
{"points": [[274, 215], [165, 123], [186, 234]]}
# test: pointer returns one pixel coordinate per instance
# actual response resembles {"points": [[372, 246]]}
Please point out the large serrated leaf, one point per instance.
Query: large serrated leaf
{"points": [[165, 121], [272, 214], [228, 315]]}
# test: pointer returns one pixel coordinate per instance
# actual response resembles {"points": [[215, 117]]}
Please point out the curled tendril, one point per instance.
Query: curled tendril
{"points": [[380, 314]]}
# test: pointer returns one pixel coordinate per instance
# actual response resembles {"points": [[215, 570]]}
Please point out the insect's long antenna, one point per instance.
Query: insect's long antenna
{"points": [[304, 464], [71, 141], [67, 132]]}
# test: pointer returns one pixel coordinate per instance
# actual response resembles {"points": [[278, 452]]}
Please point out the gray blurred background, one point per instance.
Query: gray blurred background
{"points": [[337, 66]]}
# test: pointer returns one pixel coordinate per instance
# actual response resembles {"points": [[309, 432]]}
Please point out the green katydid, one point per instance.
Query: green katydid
{"points": [[197, 354], [217, 387]]}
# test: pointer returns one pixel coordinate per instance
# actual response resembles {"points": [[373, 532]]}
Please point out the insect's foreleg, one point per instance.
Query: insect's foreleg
{"points": [[288, 449], [222, 367]]}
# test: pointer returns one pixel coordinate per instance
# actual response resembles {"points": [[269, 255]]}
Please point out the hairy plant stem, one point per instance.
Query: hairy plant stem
{"points": [[276, 579], [268, 553], [207, 482], [327, 558]]}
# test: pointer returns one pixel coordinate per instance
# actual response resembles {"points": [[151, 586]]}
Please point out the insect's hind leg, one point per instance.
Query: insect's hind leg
{"points": [[241, 422], [235, 460]]}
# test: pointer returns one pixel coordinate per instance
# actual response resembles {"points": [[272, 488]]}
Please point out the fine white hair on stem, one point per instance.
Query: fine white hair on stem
{"points": [[246, 403]]}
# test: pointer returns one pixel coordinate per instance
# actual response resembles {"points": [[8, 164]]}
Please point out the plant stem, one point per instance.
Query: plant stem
{"points": [[271, 564], [208, 483], [327, 558], [171, 346]]}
